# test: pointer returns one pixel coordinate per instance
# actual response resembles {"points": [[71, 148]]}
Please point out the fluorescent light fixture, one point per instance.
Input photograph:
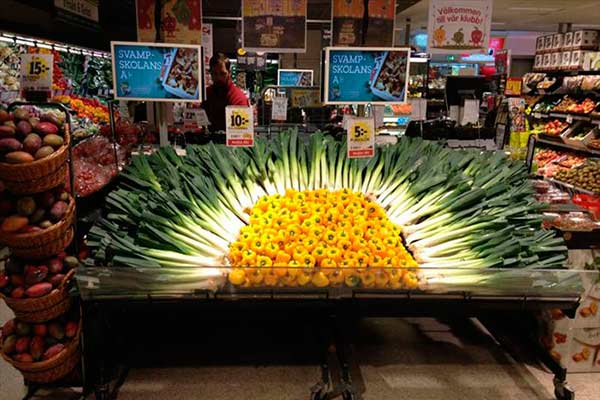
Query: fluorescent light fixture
{"points": [[6, 39], [498, 23], [44, 46], [549, 9], [418, 60]]}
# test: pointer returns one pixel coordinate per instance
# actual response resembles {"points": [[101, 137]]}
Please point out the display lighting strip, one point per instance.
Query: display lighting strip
{"points": [[27, 41]]}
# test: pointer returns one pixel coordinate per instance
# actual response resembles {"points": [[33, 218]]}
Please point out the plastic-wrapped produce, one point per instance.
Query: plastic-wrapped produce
{"points": [[94, 164]]}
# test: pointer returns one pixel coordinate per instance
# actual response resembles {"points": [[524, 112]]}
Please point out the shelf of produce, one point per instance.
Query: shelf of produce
{"points": [[568, 187], [563, 145]]}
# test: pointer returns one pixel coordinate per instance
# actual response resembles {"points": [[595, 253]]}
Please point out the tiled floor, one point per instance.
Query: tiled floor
{"points": [[413, 359]]}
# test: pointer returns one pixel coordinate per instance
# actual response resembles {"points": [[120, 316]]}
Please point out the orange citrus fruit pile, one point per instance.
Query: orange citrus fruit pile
{"points": [[320, 237]]}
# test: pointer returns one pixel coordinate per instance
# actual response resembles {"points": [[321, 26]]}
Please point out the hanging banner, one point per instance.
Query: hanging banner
{"points": [[181, 21], [352, 26], [276, 26], [361, 137], [207, 47], [36, 72], [459, 26], [347, 22], [380, 26]]}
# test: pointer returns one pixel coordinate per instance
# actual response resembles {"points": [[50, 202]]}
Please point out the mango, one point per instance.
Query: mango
{"points": [[37, 347], [53, 140], [33, 121], [55, 266], [53, 351], [56, 280], [53, 118], [18, 157], [44, 151], [11, 124], [9, 327], [26, 206], [45, 224], [3, 280], [71, 262], [22, 328], [36, 275], [71, 329], [46, 128], [56, 330], [10, 144], [32, 143], [58, 211], [18, 293], [37, 216], [4, 116], [31, 229], [21, 113], [64, 196], [24, 128], [14, 223], [24, 358], [7, 131], [39, 289], [9, 345], [40, 330], [22, 344]]}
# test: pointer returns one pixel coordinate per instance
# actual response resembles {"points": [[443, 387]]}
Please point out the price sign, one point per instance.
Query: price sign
{"points": [[36, 71], [513, 87], [239, 128], [194, 118], [537, 115], [361, 137], [279, 108], [569, 119]]}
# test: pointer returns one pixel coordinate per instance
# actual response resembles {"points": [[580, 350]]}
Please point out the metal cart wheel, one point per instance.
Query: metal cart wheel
{"points": [[562, 391]]}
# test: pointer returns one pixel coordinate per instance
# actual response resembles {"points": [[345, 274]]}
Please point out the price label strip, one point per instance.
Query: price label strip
{"points": [[239, 128], [361, 137], [36, 71]]}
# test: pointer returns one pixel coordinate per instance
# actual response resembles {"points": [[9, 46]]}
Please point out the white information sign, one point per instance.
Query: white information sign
{"points": [[361, 137], [239, 126]]}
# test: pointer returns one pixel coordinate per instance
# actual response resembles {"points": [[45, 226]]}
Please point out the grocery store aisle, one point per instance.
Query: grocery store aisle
{"points": [[413, 359]]}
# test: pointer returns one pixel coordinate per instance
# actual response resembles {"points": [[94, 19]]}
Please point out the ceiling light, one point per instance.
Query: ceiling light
{"points": [[549, 9]]}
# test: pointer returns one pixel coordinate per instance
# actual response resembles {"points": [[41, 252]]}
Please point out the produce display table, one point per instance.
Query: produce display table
{"points": [[335, 308]]}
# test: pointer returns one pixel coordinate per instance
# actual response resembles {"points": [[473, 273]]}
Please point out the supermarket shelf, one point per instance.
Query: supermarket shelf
{"points": [[568, 187], [568, 146], [574, 117]]}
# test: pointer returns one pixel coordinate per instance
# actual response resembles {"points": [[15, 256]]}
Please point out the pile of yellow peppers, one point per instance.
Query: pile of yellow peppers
{"points": [[323, 238]]}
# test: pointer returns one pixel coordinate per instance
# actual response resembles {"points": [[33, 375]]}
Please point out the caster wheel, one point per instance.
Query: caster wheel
{"points": [[564, 393], [348, 395]]}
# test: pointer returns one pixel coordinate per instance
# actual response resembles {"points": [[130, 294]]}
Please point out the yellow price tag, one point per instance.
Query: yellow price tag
{"points": [[361, 132], [36, 71], [239, 119]]}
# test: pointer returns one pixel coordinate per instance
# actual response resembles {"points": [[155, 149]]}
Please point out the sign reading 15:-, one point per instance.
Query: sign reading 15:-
{"points": [[239, 127], [36, 71]]}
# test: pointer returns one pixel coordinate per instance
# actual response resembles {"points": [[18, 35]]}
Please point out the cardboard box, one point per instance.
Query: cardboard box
{"points": [[539, 62], [566, 60], [556, 61], [557, 41], [568, 41], [577, 58], [591, 61], [548, 42], [585, 40], [539, 44], [547, 62]]}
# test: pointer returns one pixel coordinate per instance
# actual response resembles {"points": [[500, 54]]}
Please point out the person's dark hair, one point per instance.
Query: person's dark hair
{"points": [[217, 58]]}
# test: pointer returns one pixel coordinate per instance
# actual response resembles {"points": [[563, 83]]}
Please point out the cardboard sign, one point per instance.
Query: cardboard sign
{"points": [[513, 87], [279, 108], [239, 127], [194, 118], [36, 71], [361, 137]]}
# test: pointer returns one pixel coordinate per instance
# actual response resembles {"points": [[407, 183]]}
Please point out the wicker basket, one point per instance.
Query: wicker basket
{"points": [[45, 243], [42, 309], [53, 369], [39, 175]]}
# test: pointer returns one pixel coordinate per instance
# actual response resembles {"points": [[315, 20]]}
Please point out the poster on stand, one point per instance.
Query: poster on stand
{"points": [[502, 62], [294, 77], [459, 26], [276, 26], [158, 72], [181, 21], [364, 75]]}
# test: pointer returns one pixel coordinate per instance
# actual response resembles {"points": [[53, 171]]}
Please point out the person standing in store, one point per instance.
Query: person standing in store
{"points": [[222, 93]]}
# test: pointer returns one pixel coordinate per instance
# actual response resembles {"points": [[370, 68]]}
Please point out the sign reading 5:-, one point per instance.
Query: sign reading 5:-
{"points": [[36, 71], [361, 137]]}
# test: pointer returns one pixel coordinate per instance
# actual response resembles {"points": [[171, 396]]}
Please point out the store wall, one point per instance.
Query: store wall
{"points": [[309, 60], [521, 66]]}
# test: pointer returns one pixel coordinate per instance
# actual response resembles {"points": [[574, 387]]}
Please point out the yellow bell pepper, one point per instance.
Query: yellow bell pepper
{"points": [[237, 276]]}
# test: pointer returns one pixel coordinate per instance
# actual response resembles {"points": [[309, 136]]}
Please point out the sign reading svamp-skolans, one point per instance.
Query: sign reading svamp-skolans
{"points": [[459, 26]]}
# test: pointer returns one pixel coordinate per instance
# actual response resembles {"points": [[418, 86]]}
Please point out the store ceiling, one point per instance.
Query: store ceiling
{"points": [[524, 15]]}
